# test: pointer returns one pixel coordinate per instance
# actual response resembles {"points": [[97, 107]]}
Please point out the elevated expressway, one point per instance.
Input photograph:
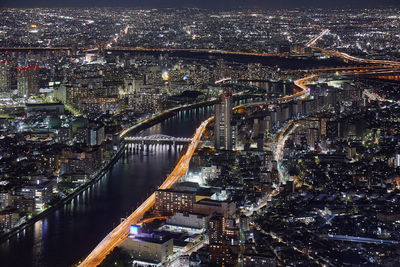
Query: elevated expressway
{"points": [[120, 233]]}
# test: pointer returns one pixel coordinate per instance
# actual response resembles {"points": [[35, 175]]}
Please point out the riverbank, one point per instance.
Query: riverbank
{"points": [[159, 117], [148, 122], [106, 166], [119, 233], [69, 197]]}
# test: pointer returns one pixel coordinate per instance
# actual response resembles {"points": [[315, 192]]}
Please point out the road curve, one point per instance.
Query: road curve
{"points": [[119, 234]]}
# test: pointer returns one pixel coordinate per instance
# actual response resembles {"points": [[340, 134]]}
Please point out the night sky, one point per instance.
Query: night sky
{"points": [[202, 3]]}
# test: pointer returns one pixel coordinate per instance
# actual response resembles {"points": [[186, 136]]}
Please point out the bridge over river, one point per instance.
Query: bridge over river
{"points": [[156, 141]]}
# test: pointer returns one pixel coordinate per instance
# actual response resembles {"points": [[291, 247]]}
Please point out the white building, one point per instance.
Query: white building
{"points": [[152, 249], [186, 219]]}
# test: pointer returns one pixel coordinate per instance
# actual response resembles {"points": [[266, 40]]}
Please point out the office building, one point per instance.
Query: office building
{"points": [[223, 117], [96, 135]]}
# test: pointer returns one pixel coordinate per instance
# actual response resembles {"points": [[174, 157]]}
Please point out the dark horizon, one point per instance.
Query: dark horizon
{"points": [[229, 4]]}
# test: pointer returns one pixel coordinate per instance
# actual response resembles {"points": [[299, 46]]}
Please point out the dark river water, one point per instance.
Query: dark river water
{"points": [[70, 233]]}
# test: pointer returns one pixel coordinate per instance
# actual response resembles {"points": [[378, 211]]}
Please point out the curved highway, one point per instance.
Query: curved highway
{"points": [[119, 234]]}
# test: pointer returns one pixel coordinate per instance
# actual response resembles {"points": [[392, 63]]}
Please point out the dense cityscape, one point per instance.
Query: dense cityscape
{"points": [[199, 137]]}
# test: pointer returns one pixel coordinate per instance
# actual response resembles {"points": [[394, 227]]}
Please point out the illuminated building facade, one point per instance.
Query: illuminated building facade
{"points": [[5, 76], [151, 249], [170, 201], [28, 81], [223, 117], [95, 135], [220, 251]]}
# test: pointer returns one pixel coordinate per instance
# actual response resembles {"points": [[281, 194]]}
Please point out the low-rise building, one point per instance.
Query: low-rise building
{"points": [[186, 219], [149, 248], [209, 206]]}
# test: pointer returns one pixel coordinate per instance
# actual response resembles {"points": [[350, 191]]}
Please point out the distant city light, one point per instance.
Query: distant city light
{"points": [[165, 75]]}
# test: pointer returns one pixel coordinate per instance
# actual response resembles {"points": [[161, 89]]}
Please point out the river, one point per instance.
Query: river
{"points": [[71, 232]]}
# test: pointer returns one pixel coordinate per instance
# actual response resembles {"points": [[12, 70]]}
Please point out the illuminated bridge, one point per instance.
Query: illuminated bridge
{"points": [[157, 139]]}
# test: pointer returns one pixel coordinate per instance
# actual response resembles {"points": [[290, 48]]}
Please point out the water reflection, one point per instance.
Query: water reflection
{"points": [[70, 233]]}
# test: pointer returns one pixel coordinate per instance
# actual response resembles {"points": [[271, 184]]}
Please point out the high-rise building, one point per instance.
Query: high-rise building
{"points": [[323, 126], [332, 129], [5, 76], [221, 70], [256, 127], [397, 159], [95, 135], [220, 251], [216, 228], [223, 117], [312, 137], [28, 80]]}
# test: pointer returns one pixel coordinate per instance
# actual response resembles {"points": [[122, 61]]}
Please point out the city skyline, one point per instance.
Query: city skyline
{"points": [[218, 136], [229, 4]]}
